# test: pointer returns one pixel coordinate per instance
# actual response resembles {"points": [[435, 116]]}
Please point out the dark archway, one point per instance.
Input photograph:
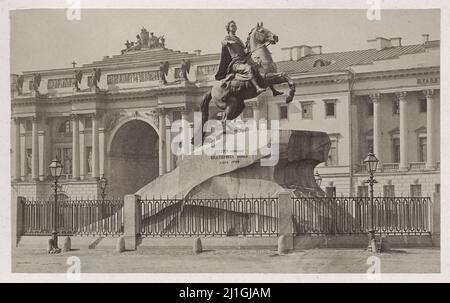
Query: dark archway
{"points": [[132, 161]]}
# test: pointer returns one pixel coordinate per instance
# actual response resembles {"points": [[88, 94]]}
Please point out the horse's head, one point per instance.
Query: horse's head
{"points": [[261, 35]]}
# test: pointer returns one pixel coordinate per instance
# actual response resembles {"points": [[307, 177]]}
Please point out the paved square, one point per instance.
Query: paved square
{"points": [[166, 260]]}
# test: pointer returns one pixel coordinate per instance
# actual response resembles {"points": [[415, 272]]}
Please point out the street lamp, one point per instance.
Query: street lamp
{"points": [[371, 164], [55, 170], [318, 178], [103, 182]]}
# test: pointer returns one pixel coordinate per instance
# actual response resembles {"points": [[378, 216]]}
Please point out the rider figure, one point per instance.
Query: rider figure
{"points": [[235, 59]]}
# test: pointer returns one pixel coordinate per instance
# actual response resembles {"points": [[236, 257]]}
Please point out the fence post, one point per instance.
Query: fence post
{"points": [[131, 221], [17, 219], [435, 224], [285, 224]]}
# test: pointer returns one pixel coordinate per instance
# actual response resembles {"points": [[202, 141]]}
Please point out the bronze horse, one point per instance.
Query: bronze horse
{"points": [[230, 97]]}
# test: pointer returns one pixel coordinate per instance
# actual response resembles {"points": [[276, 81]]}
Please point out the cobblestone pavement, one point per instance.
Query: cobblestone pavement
{"points": [[147, 260]]}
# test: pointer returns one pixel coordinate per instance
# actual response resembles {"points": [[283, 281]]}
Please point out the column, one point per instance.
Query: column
{"points": [[256, 112], [75, 147], [254, 135], [162, 143], [23, 155], [403, 131], [42, 153], [375, 99], [101, 151], [431, 160], [169, 156], [94, 146], [34, 150], [186, 131], [82, 149], [16, 149]]}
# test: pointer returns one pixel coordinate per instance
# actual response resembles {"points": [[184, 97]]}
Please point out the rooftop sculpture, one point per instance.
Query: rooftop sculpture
{"points": [[144, 40]]}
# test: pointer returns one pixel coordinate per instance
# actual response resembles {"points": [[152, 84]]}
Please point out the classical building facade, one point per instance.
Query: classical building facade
{"points": [[112, 118], [384, 98]]}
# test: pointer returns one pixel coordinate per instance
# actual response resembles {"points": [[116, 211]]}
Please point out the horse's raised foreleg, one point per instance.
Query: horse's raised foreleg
{"points": [[279, 78]]}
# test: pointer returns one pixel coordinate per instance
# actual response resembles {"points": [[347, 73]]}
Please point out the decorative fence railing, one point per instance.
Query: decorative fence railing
{"points": [[74, 217], [352, 215], [209, 217], [256, 217]]}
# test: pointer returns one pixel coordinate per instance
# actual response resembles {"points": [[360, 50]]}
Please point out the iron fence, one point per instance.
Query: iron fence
{"points": [[74, 217], [209, 217], [231, 216], [352, 215]]}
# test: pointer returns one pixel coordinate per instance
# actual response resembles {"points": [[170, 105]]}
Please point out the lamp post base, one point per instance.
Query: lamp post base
{"points": [[372, 245], [53, 244]]}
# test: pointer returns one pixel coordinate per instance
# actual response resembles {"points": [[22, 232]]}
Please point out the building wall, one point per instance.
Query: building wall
{"points": [[402, 182], [416, 122], [337, 127], [44, 190]]}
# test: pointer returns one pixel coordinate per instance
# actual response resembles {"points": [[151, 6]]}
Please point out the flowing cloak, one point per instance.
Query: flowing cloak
{"points": [[226, 59]]}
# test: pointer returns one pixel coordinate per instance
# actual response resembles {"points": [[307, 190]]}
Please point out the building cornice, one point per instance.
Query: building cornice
{"points": [[396, 74], [108, 96]]}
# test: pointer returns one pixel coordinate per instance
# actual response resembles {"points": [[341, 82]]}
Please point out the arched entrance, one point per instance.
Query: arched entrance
{"points": [[132, 160]]}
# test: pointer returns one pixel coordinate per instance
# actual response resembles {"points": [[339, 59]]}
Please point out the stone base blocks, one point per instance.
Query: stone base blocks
{"points": [[131, 221], [285, 224], [120, 245], [67, 244], [197, 247]]}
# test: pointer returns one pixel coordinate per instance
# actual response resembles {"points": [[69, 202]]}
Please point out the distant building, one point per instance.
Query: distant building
{"points": [[385, 97]]}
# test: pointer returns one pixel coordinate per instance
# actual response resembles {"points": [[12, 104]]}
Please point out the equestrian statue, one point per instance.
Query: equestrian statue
{"points": [[245, 71]]}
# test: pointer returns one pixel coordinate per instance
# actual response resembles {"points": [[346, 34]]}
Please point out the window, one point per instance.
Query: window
{"points": [[363, 191], [65, 127], [330, 191], [330, 109], [88, 123], [28, 125], [395, 107], [396, 150], [64, 154], [422, 149], [321, 62], [416, 190], [176, 115], [423, 105], [283, 112], [307, 110], [389, 191], [332, 154], [437, 188], [370, 109]]}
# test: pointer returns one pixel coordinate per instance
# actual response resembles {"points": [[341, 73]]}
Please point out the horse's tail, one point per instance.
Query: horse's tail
{"points": [[204, 107]]}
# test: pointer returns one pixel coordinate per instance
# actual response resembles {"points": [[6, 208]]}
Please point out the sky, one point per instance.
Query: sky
{"points": [[46, 39]]}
